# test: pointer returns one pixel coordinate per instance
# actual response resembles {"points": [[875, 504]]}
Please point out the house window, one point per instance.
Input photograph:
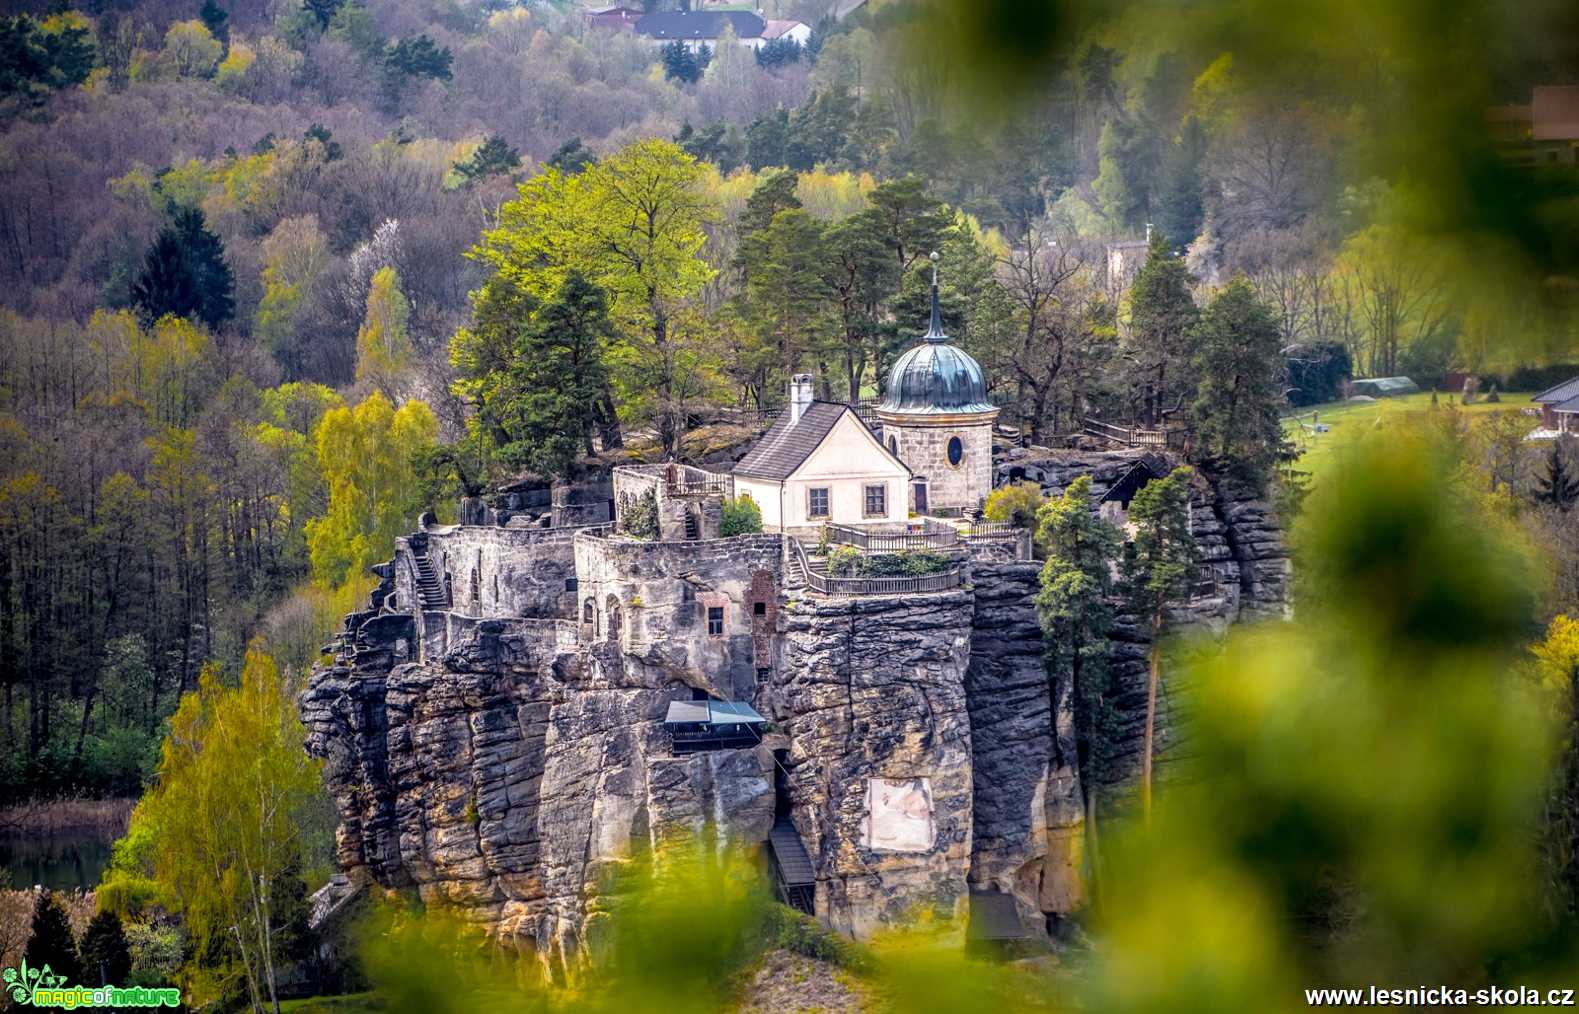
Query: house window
{"points": [[759, 609], [876, 501], [571, 584], [745, 494], [817, 502], [956, 451], [715, 621], [893, 446]]}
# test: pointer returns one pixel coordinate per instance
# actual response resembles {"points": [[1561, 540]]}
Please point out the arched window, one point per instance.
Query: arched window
{"points": [[589, 618], [616, 618], [956, 451], [893, 446]]}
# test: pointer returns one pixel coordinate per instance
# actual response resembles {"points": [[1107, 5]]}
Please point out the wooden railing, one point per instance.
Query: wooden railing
{"points": [[998, 532], [932, 536], [688, 480], [1135, 436], [830, 585]]}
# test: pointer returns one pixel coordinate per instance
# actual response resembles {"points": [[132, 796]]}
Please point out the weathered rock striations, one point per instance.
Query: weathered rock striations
{"points": [[499, 747], [872, 697]]}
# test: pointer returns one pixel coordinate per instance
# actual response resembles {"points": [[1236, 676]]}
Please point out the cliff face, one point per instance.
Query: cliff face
{"points": [[505, 764], [872, 697], [505, 777]]}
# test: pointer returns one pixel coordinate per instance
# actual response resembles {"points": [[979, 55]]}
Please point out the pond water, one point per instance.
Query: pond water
{"points": [[63, 861]]}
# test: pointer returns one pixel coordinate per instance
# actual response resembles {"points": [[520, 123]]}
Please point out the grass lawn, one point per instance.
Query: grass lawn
{"points": [[333, 1004], [1347, 419]]}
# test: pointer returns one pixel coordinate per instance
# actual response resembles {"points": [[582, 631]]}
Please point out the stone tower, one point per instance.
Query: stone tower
{"points": [[936, 418]]}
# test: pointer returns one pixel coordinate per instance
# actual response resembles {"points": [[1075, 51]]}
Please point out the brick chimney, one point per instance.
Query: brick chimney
{"points": [[800, 397]]}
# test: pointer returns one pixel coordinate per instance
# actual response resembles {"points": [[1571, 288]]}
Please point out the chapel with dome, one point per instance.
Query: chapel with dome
{"points": [[936, 418]]}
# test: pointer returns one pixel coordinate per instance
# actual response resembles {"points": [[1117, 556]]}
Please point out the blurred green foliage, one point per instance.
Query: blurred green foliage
{"points": [[1407, 84]]}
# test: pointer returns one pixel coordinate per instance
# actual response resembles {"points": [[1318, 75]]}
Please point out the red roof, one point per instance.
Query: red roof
{"points": [[1555, 113]]}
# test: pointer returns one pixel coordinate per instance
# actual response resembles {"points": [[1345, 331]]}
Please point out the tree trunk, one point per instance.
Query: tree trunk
{"points": [[1151, 714]]}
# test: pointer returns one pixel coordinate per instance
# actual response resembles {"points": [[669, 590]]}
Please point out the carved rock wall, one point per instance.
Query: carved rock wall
{"points": [[872, 696]]}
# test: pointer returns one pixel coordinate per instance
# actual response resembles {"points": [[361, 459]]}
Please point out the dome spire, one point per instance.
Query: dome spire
{"points": [[935, 331]]}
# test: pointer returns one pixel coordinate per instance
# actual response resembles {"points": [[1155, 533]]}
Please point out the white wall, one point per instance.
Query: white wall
{"points": [[848, 460]]}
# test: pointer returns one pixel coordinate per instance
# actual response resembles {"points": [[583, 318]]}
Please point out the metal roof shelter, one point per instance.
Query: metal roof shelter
{"points": [[712, 725], [700, 25]]}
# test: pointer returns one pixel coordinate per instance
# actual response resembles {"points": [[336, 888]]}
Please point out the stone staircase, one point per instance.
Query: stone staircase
{"points": [[429, 587], [692, 533]]}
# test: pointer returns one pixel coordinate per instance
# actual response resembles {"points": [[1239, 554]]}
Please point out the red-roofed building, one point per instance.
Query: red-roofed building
{"points": [[615, 18]]}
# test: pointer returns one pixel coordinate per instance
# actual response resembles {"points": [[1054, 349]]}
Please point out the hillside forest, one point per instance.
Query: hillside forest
{"points": [[278, 275]]}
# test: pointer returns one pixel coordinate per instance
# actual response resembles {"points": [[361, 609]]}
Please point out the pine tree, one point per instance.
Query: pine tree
{"points": [[50, 942], [1241, 381], [106, 960], [1160, 571], [494, 157], [679, 63], [217, 20], [1162, 326], [1558, 487], [552, 392], [185, 274], [1072, 605]]}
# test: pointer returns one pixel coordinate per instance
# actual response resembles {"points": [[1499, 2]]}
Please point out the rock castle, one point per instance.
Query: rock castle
{"points": [[530, 699]]}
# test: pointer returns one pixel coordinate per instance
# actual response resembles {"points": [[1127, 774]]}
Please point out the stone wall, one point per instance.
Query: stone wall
{"points": [[653, 600], [872, 696], [923, 445], [502, 572]]}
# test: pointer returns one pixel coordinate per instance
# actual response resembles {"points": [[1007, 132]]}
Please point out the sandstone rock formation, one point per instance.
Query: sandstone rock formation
{"points": [[501, 748]]}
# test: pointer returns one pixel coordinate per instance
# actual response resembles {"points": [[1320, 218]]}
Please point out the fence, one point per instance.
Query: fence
{"points": [[1135, 436], [998, 532], [932, 536], [830, 585]]}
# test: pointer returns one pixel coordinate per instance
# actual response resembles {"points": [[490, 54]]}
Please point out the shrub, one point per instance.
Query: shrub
{"points": [[1015, 504], [846, 561], [106, 959], [50, 941], [640, 517], [742, 516]]}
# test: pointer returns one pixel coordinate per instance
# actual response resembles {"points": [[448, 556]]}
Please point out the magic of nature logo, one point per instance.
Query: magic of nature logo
{"points": [[40, 987]]}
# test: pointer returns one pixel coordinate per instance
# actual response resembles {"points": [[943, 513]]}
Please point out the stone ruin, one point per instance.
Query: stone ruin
{"points": [[492, 726]]}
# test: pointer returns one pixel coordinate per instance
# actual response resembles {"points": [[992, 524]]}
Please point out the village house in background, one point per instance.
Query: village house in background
{"points": [[1560, 407], [700, 29], [1544, 132]]}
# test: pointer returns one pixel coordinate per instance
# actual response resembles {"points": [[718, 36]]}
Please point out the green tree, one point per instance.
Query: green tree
{"points": [[1160, 571], [680, 63], [367, 457], [1179, 209], [1162, 328], [185, 274], [571, 157], [106, 960], [549, 396], [632, 225], [323, 10], [225, 820], [383, 343], [1558, 487], [913, 224], [786, 294], [1073, 606], [217, 20], [49, 940], [859, 274], [1240, 365], [494, 157]]}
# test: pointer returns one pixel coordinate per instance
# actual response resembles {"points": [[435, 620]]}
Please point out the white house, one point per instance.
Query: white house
{"points": [[820, 464]]}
